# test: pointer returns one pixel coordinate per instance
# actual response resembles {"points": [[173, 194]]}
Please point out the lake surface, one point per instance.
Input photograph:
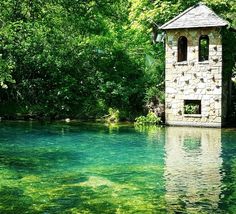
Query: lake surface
{"points": [[79, 168]]}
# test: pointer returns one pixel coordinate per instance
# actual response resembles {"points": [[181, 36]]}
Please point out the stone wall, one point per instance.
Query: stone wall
{"points": [[194, 80]]}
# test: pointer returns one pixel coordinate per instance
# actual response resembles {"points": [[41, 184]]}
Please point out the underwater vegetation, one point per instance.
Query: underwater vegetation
{"points": [[74, 168]]}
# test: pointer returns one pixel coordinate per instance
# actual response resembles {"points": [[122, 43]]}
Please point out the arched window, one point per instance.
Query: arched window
{"points": [[182, 49], [203, 48]]}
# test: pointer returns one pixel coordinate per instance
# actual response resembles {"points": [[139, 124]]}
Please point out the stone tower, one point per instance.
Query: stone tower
{"points": [[195, 91]]}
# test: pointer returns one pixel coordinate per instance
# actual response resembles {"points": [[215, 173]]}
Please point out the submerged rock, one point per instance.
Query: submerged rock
{"points": [[96, 181]]}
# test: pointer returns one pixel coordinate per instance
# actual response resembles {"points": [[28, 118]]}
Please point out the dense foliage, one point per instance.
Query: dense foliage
{"points": [[150, 119], [78, 58]]}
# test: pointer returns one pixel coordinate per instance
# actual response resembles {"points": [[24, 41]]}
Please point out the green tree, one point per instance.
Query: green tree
{"points": [[79, 58]]}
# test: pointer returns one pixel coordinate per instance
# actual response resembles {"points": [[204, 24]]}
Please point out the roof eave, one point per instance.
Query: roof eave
{"points": [[188, 27]]}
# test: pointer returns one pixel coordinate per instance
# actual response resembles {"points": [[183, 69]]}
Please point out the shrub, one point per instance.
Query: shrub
{"points": [[191, 109], [113, 116], [150, 119]]}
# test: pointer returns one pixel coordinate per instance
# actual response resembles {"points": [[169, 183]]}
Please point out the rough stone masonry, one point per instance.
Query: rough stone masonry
{"points": [[194, 79]]}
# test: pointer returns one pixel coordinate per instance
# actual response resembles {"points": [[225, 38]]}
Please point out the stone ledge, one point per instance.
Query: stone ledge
{"points": [[193, 115], [195, 124], [204, 62], [181, 63]]}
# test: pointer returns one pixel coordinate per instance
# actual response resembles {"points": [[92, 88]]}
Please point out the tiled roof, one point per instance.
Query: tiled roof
{"points": [[194, 17]]}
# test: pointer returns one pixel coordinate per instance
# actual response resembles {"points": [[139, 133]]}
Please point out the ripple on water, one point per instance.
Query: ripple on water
{"points": [[87, 169]]}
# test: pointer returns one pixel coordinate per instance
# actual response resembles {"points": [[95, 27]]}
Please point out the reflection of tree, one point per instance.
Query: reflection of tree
{"points": [[192, 144], [154, 133], [192, 169], [228, 199]]}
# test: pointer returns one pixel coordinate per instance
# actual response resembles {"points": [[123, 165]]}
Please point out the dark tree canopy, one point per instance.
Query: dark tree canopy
{"points": [[73, 58]]}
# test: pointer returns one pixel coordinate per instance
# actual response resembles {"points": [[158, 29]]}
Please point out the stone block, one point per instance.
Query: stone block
{"points": [[206, 98], [170, 90], [201, 85], [217, 91], [217, 119]]}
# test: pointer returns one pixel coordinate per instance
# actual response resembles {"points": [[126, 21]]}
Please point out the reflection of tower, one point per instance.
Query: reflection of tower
{"points": [[192, 169]]}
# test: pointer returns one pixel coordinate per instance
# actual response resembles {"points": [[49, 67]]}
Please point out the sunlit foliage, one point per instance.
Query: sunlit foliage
{"points": [[79, 58]]}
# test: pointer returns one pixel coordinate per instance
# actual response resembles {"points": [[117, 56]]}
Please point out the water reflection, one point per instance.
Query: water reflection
{"points": [[192, 169]]}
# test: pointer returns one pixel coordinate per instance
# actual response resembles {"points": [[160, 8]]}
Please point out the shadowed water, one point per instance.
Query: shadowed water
{"points": [[79, 168]]}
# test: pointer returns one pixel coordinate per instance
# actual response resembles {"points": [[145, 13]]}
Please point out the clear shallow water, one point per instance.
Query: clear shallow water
{"points": [[61, 168]]}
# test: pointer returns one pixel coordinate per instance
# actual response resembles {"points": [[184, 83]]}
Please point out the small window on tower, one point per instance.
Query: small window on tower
{"points": [[182, 49], [203, 48], [192, 106]]}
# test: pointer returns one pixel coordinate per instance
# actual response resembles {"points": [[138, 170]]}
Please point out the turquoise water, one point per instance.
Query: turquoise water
{"points": [[88, 168]]}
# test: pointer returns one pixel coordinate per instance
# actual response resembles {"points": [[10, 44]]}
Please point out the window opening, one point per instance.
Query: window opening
{"points": [[203, 48], [182, 49], [192, 106]]}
